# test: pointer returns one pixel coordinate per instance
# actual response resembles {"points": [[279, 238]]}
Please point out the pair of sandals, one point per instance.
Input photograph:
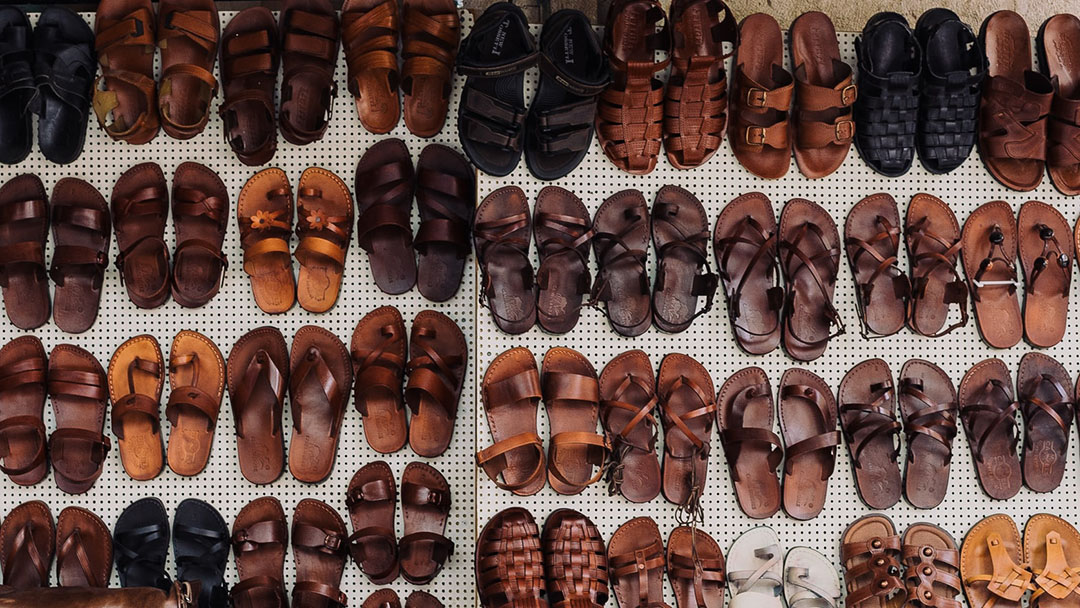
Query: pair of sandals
{"points": [[79, 540]]}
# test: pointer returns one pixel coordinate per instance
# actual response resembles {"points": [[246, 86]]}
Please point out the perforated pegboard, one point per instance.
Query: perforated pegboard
{"points": [[231, 314], [709, 340]]}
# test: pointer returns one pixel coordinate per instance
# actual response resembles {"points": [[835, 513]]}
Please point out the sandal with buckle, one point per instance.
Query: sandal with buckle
{"points": [[320, 550], [310, 37], [501, 230], [140, 209], [563, 231], [23, 445], [188, 33], [621, 233], [250, 55], [201, 541], [126, 43]]}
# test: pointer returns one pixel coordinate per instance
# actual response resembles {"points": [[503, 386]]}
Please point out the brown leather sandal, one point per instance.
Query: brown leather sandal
{"points": [[379, 351], [501, 232], [264, 212], [572, 400], [680, 234], [627, 400], [27, 546], [23, 368], [78, 446], [621, 233], [575, 560], [1043, 387], [260, 538], [753, 451], [928, 405], [992, 566], [988, 411], [808, 423], [250, 54], [872, 242], [310, 38], [84, 551], [989, 256], [431, 31], [1052, 551], [563, 231], [24, 217], [422, 599], [320, 552], [437, 364], [687, 413], [81, 227], [382, 598], [200, 207], [188, 32], [933, 566], [325, 212], [126, 44], [870, 551], [319, 380], [197, 379], [933, 242], [695, 567], [509, 566], [385, 183], [446, 199], [136, 377], [140, 208], [867, 399], [510, 393], [372, 501], [258, 373], [1046, 257], [369, 33], [636, 563], [425, 507], [1057, 59]]}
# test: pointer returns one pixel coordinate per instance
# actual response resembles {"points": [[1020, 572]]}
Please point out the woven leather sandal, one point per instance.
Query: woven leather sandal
{"points": [[932, 235], [250, 54], [125, 44], [188, 32], [1052, 551], [991, 565], [370, 37], [870, 551], [509, 566], [310, 34], [575, 560], [430, 34]]}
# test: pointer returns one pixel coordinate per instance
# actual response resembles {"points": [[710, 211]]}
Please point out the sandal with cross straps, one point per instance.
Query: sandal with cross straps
{"points": [[872, 242], [501, 230], [627, 400], [680, 235], [932, 235], [988, 411], [929, 408], [1043, 389], [621, 232], [754, 569], [438, 360], [867, 399], [563, 232], [687, 412]]}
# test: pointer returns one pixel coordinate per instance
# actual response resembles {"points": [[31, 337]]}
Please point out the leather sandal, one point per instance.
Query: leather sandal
{"points": [[872, 243], [319, 379], [753, 451], [627, 400], [197, 380], [808, 423], [748, 262], [20, 90], [810, 258], [572, 401], [1052, 551], [621, 233], [385, 184], [200, 208], [575, 560], [989, 256], [929, 407], [136, 377], [1057, 61], [325, 217], [81, 227], [563, 232], [125, 95], [310, 35], [810, 579], [264, 212], [379, 350], [64, 70], [141, 544], [1046, 403], [755, 569], [23, 446], [24, 217], [509, 566], [867, 399], [140, 208], [988, 411], [188, 32], [501, 232], [78, 446], [382, 598], [446, 199], [425, 507], [991, 564], [201, 542], [84, 552], [510, 393], [932, 235], [687, 413], [870, 551], [250, 55], [695, 97], [27, 546], [636, 563], [1046, 257], [422, 599], [369, 34], [258, 374], [695, 567], [319, 541], [1014, 106], [629, 120], [260, 537], [430, 34], [680, 234], [933, 566], [439, 356], [372, 501]]}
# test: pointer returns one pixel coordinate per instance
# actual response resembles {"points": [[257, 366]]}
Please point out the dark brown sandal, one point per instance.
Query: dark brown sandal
{"points": [[372, 501], [385, 184], [808, 423], [81, 227], [510, 393], [200, 207], [933, 566], [140, 208], [572, 401], [258, 374], [1046, 403], [636, 563], [379, 350], [988, 411], [680, 234], [872, 242], [989, 256], [382, 598], [136, 377], [319, 380], [84, 549], [928, 404], [27, 546], [870, 551], [627, 401], [563, 230], [309, 48], [260, 538], [687, 412], [23, 367], [753, 451], [320, 552], [1046, 258], [446, 199], [24, 216], [695, 566], [425, 506], [422, 599], [439, 356], [78, 446], [621, 233], [188, 32], [264, 211], [867, 398], [250, 54], [575, 560], [933, 242], [501, 233]]}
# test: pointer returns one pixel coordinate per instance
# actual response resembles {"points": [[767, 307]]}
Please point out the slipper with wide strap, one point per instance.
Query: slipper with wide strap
{"points": [[260, 538], [379, 350], [439, 356], [372, 501], [78, 446], [572, 401]]}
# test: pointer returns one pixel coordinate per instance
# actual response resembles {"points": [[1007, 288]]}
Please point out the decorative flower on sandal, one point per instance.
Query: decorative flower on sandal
{"points": [[317, 220], [263, 220]]}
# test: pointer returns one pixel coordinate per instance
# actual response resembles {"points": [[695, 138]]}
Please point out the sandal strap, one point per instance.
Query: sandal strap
{"points": [[827, 440], [493, 459], [1013, 116], [421, 496], [314, 364], [261, 371], [72, 550], [308, 537], [878, 418], [433, 375], [937, 421], [1060, 410], [928, 566], [99, 446], [1057, 579], [1008, 581], [23, 544], [333, 595], [256, 586], [879, 563], [673, 421], [441, 548], [596, 450], [1001, 415], [34, 423], [369, 541], [259, 535], [807, 594]]}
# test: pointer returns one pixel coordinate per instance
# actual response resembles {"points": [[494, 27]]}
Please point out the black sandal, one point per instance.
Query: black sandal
{"points": [[64, 65], [201, 543], [141, 545], [18, 93]]}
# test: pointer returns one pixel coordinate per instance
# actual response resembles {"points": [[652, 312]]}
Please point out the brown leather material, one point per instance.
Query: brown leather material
{"points": [[431, 31], [197, 381], [264, 212], [319, 380], [630, 112], [761, 96], [188, 33], [753, 451], [136, 377], [823, 123], [310, 36], [575, 560], [324, 211], [446, 199], [24, 217], [1057, 58], [385, 183], [748, 262], [867, 398], [78, 446], [687, 412], [27, 546], [501, 232], [1045, 392], [810, 258], [379, 351], [81, 227], [319, 551], [140, 208], [988, 411], [84, 550], [260, 537], [627, 400], [1052, 551], [680, 234], [929, 407], [200, 207], [576, 452], [126, 40], [870, 551], [695, 567], [439, 358], [872, 243], [23, 369], [372, 502], [933, 566], [425, 507], [382, 598], [422, 599], [636, 563], [808, 423], [1046, 257], [932, 235], [250, 55], [989, 256], [695, 98], [369, 34], [510, 392], [509, 566], [1014, 105], [180, 595], [621, 233], [258, 375], [563, 231], [992, 566]]}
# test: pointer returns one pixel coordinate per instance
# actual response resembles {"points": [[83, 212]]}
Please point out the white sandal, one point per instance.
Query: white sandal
{"points": [[810, 580], [755, 570]]}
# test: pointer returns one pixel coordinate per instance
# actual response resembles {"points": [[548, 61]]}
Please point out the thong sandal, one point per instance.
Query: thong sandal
{"points": [[319, 380], [371, 499], [264, 212], [627, 400], [989, 255], [510, 393], [1046, 403], [575, 560], [811, 579], [24, 218], [810, 259], [988, 411], [501, 236], [325, 213], [378, 350], [126, 43], [871, 551], [680, 234], [867, 399], [1052, 551], [23, 446], [320, 552], [250, 55], [808, 423], [695, 567], [188, 32], [430, 34], [755, 571], [260, 538], [933, 566], [571, 399], [197, 380], [636, 563], [369, 33], [932, 235], [752, 450], [81, 226], [563, 230], [385, 184], [258, 374], [991, 565], [425, 507], [872, 242], [687, 412], [621, 232], [1046, 258], [140, 208], [446, 200], [929, 407], [27, 545], [437, 364], [84, 551], [78, 446], [136, 377], [310, 38], [200, 208]]}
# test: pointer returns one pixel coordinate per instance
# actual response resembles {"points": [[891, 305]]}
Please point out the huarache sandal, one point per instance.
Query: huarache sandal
{"points": [[81, 226], [264, 212], [188, 32], [932, 235], [126, 93], [872, 242], [250, 54], [563, 231], [687, 413], [372, 500], [636, 564], [575, 559], [319, 380], [260, 537], [140, 208], [20, 92], [755, 569], [320, 552], [64, 68], [753, 451], [989, 256], [24, 218], [141, 543], [501, 232], [870, 551], [808, 423], [27, 545], [325, 217], [621, 232], [1046, 257], [933, 566], [1043, 388], [695, 567], [84, 552], [748, 261], [379, 351], [197, 380], [572, 400], [369, 34], [511, 391], [988, 411], [437, 364], [385, 183], [310, 38], [430, 34], [991, 565], [810, 579], [1052, 551], [201, 542], [258, 374], [680, 234], [446, 199], [422, 599], [867, 399], [23, 367], [78, 446], [200, 208], [425, 507], [509, 543], [627, 401], [929, 407], [1057, 60]]}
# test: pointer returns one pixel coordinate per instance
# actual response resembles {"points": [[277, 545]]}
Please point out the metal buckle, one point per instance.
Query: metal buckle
{"points": [[755, 133], [757, 98], [844, 130], [849, 94]]}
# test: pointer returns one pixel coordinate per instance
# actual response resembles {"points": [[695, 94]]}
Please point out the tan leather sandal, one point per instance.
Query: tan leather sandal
{"points": [[125, 91], [991, 565]]}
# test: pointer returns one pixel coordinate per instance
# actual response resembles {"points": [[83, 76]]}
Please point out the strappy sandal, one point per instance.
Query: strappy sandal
{"points": [[933, 567], [78, 447], [621, 232], [27, 546], [575, 560], [140, 209], [808, 424], [1046, 403], [680, 234], [501, 232], [319, 380], [197, 382], [310, 38], [867, 399], [260, 538], [84, 552], [687, 413], [1052, 551], [126, 44], [379, 349], [811, 580], [929, 407], [384, 186], [201, 542], [64, 68], [188, 32], [753, 451], [755, 569], [20, 91], [82, 227], [320, 552], [372, 500], [264, 212], [446, 200], [1046, 258], [627, 401], [571, 399], [988, 411], [425, 507], [510, 393], [1057, 59], [509, 565], [438, 359], [870, 551], [250, 55], [141, 544], [872, 242], [989, 256], [325, 224], [563, 231], [932, 235], [695, 567], [23, 372], [369, 33], [991, 565], [430, 35], [24, 221], [200, 209], [636, 564]]}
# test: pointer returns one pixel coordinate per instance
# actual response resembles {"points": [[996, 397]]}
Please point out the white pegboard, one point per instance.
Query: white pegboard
{"points": [[709, 340]]}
